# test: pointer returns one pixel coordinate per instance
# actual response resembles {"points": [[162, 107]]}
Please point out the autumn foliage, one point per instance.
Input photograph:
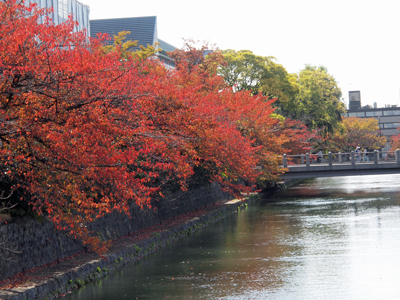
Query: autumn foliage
{"points": [[395, 142], [356, 132], [84, 132]]}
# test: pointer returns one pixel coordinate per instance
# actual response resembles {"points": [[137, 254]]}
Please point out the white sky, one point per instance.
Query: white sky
{"points": [[357, 40]]}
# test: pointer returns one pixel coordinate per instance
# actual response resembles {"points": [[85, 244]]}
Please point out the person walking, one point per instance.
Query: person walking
{"points": [[358, 158], [365, 156]]}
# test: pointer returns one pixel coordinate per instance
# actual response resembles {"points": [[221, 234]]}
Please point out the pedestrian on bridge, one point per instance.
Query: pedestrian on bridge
{"points": [[358, 157], [365, 156]]}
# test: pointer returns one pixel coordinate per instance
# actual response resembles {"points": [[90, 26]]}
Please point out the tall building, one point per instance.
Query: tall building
{"points": [[354, 100], [142, 29], [61, 10]]}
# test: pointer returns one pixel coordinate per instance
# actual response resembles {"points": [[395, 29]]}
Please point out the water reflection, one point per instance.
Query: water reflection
{"points": [[332, 238]]}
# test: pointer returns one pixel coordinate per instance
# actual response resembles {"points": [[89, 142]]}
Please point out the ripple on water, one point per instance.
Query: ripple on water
{"points": [[342, 242]]}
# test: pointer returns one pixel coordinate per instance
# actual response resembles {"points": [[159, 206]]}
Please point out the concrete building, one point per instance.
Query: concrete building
{"points": [[61, 10], [388, 117], [143, 30]]}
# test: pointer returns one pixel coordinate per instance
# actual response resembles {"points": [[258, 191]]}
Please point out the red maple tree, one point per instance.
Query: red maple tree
{"points": [[85, 132]]}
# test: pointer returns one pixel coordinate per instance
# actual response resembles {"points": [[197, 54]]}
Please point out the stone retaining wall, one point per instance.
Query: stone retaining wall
{"points": [[41, 244]]}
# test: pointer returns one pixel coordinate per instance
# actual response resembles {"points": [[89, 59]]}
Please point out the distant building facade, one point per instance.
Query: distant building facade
{"points": [[143, 30], [354, 100], [61, 10], [388, 117]]}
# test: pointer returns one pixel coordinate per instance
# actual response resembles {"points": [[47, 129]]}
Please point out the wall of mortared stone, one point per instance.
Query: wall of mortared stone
{"points": [[41, 244]]}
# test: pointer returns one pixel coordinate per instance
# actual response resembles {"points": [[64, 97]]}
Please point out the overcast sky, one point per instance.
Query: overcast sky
{"points": [[357, 40]]}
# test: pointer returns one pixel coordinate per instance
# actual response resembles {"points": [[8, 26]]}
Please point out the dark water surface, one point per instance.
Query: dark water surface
{"points": [[328, 238]]}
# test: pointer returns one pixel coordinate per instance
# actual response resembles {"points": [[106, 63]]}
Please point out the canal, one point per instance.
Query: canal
{"points": [[327, 238]]}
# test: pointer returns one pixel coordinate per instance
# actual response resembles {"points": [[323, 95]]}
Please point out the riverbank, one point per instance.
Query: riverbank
{"points": [[56, 279], [284, 185]]}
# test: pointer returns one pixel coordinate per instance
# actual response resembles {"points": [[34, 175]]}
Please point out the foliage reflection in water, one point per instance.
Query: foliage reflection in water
{"points": [[332, 238]]}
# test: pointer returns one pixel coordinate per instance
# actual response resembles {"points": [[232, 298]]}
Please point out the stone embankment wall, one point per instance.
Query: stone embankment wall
{"points": [[40, 244], [58, 279]]}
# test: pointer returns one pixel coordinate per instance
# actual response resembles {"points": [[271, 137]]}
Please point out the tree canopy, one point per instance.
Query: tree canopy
{"points": [[252, 115], [312, 96], [124, 48], [356, 132], [86, 130], [318, 103], [259, 74]]}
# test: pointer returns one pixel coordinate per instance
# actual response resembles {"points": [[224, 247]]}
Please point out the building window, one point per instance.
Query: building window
{"points": [[352, 114], [388, 113], [391, 125], [63, 10], [374, 113], [361, 115], [391, 112]]}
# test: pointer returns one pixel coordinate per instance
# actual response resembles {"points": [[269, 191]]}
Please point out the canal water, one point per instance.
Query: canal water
{"points": [[327, 238]]}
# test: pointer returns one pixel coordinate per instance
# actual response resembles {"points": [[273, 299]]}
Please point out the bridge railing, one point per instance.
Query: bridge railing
{"points": [[387, 156], [342, 158]]}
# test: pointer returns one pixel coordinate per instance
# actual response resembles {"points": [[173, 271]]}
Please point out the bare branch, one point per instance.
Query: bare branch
{"points": [[2, 197]]}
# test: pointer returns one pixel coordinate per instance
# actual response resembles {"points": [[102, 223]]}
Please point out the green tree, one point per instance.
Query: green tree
{"points": [[318, 102], [124, 48], [260, 74]]}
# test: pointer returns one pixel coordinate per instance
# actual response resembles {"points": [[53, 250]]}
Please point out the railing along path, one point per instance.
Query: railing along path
{"points": [[341, 164]]}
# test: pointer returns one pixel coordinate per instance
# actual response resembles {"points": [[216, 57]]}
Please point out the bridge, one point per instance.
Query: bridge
{"points": [[341, 164]]}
